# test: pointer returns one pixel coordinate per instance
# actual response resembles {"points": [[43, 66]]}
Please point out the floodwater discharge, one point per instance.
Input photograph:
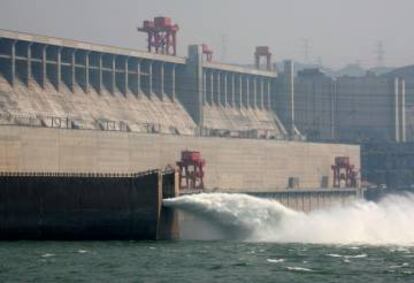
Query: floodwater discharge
{"points": [[262, 220], [266, 242]]}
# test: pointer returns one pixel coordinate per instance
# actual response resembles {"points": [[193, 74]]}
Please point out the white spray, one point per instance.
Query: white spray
{"points": [[388, 222]]}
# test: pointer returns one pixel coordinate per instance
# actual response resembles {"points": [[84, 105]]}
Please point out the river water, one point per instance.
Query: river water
{"points": [[266, 242]]}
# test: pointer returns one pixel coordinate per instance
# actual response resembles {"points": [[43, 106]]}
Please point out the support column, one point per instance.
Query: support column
{"points": [[100, 74], [289, 82], [241, 91], [204, 87], [173, 82], [269, 102], [218, 96], [59, 68], [139, 90], [126, 80], [254, 92], [225, 89], [396, 112], [193, 91], [13, 63], [150, 78], [233, 90], [261, 94], [87, 72], [211, 87], [73, 70], [44, 66], [29, 64], [402, 111], [162, 83], [247, 92], [113, 85]]}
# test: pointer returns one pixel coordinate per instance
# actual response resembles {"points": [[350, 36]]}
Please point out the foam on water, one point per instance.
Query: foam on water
{"points": [[388, 222], [348, 256], [278, 260]]}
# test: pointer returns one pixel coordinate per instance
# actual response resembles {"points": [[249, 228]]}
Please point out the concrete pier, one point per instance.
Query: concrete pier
{"points": [[87, 206]]}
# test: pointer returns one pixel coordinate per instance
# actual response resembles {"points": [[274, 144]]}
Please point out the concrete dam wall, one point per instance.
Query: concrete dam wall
{"points": [[232, 164]]}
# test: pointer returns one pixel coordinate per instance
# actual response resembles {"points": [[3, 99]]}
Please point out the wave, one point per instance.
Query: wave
{"points": [[388, 222]]}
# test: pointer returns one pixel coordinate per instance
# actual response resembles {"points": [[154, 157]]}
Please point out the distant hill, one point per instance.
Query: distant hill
{"points": [[350, 70]]}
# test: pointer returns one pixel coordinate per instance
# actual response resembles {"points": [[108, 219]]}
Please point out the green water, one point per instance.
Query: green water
{"points": [[192, 261]]}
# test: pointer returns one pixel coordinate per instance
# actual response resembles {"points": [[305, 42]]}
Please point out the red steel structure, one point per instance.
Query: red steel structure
{"points": [[191, 171], [162, 35], [207, 52], [263, 52], [343, 170]]}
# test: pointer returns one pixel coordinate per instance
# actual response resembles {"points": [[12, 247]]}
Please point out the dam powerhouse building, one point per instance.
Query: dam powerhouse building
{"points": [[375, 111], [73, 109]]}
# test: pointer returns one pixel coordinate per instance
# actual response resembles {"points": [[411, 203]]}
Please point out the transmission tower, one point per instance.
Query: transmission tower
{"points": [[306, 48], [319, 61], [380, 54], [223, 47]]}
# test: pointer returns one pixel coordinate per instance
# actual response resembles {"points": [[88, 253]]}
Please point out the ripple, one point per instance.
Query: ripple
{"points": [[298, 269], [405, 264], [275, 260], [347, 256]]}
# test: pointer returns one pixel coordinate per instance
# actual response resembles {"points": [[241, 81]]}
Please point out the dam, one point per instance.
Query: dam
{"points": [[73, 107]]}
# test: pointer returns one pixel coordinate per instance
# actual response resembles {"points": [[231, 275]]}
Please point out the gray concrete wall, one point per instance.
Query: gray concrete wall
{"points": [[190, 85], [365, 109], [232, 164], [306, 201], [345, 109], [406, 74], [315, 105], [283, 102]]}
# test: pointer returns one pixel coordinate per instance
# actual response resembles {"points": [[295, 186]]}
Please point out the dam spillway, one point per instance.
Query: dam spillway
{"points": [[70, 84]]}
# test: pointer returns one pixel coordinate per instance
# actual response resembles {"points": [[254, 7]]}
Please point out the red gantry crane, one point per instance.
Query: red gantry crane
{"points": [[207, 52], [263, 52], [162, 35], [191, 170], [343, 170]]}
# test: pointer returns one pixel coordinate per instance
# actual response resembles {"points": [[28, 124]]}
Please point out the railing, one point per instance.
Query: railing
{"points": [[250, 133], [73, 122], [82, 175]]}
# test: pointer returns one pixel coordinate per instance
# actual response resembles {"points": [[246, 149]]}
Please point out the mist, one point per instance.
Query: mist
{"points": [[243, 217]]}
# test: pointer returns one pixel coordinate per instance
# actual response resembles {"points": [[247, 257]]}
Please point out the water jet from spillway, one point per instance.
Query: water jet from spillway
{"points": [[248, 218]]}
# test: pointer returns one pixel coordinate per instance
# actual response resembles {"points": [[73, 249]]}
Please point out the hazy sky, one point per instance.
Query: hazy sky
{"points": [[339, 31]]}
